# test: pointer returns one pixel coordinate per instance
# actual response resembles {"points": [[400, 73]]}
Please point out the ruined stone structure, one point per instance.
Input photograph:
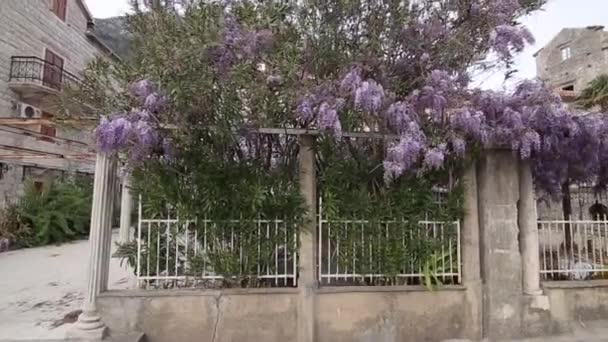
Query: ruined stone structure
{"points": [[44, 46], [573, 58]]}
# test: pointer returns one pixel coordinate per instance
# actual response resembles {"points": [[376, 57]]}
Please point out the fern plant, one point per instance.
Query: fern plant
{"points": [[58, 213]]}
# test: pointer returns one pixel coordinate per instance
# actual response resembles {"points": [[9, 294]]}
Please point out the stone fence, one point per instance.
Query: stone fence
{"points": [[500, 295]]}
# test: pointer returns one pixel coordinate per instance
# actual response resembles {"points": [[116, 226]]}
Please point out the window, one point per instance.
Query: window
{"points": [[568, 87], [53, 70], [59, 8], [566, 53]]}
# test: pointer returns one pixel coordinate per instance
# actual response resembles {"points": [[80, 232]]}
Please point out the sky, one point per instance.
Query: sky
{"points": [[544, 25]]}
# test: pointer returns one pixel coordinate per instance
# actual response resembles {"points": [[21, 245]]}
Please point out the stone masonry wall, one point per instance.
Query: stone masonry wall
{"points": [[29, 27], [589, 50], [11, 183]]}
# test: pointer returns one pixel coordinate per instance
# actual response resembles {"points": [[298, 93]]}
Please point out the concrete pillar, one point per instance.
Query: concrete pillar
{"points": [[126, 209], [498, 193], [471, 272], [89, 325], [307, 256], [527, 218]]}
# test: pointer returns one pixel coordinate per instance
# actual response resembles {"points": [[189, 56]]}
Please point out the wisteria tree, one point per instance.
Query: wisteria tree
{"points": [[402, 68]]}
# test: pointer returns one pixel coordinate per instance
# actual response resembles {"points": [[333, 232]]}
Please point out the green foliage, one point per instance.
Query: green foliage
{"points": [[354, 189], [59, 213], [11, 226], [596, 94]]}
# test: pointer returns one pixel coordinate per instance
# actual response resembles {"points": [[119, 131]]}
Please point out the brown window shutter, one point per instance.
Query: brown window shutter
{"points": [[53, 69], [60, 8]]}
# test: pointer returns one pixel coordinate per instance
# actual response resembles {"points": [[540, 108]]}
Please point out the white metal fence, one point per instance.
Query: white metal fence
{"points": [[362, 252], [206, 253], [573, 250]]}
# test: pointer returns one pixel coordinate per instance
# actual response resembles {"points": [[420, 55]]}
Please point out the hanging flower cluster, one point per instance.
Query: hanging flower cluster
{"points": [[239, 44], [135, 132]]}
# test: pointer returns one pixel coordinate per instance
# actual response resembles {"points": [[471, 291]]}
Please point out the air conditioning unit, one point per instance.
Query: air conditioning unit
{"points": [[27, 111]]}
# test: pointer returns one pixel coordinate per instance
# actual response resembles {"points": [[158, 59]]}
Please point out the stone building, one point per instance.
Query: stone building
{"points": [[573, 58], [44, 46]]}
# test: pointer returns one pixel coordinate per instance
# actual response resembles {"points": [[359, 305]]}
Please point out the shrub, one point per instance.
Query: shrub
{"points": [[58, 213]]}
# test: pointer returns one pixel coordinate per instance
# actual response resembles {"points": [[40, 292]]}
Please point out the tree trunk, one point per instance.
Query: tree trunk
{"points": [[567, 210]]}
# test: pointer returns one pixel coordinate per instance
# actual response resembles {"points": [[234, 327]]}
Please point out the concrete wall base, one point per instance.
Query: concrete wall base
{"points": [[341, 314]]}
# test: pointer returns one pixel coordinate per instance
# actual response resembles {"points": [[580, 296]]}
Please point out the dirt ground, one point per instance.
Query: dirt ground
{"points": [[40, 286]]}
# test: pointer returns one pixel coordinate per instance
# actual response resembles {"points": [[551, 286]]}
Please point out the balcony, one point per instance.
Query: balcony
{"points": [[33, 77]]}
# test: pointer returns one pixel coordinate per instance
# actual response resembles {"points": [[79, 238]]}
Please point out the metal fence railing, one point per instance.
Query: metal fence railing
{"points": [[573, 250], [37, 70], [215, 253], [362, 252]]}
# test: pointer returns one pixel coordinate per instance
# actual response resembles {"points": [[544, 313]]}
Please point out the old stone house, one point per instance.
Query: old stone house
{"points": [[44, 46], [573, 58]]}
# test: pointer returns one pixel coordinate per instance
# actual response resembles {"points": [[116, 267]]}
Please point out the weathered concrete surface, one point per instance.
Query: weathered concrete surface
{"points": [[378, 315], [306, 253], [39, 286], [390, 316], [471, 271], [501, 268], [193, 316], [575, 303]]}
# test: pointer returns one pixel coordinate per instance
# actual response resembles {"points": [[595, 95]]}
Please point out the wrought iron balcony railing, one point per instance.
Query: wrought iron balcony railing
{"points": [[31, 69]]}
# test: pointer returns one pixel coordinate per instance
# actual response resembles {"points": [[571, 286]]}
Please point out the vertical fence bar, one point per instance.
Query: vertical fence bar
{"points": [[139, 209], [443, 269], [458, 256], [571, 257], [320, 241], [295, 257], [285, 249], [362, 252], [186, 265], [586, 240], [551, 253], [276, 253], [329, 251], [205, 253], [167, 244], [158, 235], [578, 245], [148, 254], [259, 245], [267, 238]]}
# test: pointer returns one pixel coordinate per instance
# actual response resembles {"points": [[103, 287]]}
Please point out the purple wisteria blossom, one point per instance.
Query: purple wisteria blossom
{"points": [[401, 157], [239, 44], [155, 102], [399, 115], [304, 109], [369, 96], [328, 118], [351, 82], [434, 158], [141, 89], [134, 133], [459, 146], [507, 38]]}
